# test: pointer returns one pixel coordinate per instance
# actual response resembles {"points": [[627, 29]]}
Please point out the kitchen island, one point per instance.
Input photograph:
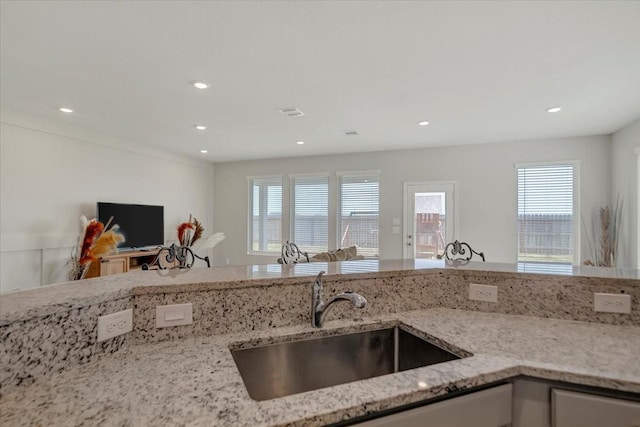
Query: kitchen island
{"points": [[186, 375], [194, 381]]}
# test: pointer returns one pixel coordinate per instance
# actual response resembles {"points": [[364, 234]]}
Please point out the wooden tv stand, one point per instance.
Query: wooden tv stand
{"points": [[121, 263]]}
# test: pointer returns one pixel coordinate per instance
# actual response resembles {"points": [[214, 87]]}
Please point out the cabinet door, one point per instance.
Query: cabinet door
{"points": [[487, 408], [113, 266], [531, 403], [570, 409]]}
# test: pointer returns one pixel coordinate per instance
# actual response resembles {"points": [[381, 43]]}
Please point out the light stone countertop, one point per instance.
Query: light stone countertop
{"points": [[45, 300], [195, 382]]}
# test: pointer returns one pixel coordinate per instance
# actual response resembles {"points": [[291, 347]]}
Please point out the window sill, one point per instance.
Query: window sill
{"points": [[269, 254]]}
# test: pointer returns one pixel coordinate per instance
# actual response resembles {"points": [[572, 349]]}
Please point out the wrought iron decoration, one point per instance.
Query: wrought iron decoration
{"points": [[174, 257], [291, 254], [456, 251]]}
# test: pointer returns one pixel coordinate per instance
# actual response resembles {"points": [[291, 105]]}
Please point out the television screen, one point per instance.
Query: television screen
{"points": [[141, 225]]}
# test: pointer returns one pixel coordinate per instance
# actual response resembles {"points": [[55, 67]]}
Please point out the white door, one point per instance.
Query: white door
{"points": [[429, 218]]}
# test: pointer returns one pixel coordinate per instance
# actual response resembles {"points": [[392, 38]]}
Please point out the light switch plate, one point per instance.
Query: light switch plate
{"points": [[612, 303], [174, 315], [114, 324]]}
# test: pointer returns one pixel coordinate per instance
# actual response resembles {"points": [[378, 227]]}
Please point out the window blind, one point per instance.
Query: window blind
{"points": [[358, 212], [265, 214], [547, 213], [310, 213]]}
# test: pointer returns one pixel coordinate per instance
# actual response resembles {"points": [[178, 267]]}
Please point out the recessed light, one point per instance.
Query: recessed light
{"points": [[204, 151], [423, 123], [201, 85], [200, 127], [65, 110], [554, 109], [300, 142]]}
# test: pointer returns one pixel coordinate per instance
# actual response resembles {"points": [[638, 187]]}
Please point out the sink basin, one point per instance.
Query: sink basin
{"points": [[286, 368]]}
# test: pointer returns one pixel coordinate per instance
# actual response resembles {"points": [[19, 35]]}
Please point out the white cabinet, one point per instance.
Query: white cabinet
{"points": [[531, 407], [486, 408], [527, 402], [570, 409], [539, 403]]}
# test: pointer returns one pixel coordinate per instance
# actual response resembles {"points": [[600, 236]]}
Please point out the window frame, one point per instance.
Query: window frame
{"points": [[250, 183], [576, 250]]}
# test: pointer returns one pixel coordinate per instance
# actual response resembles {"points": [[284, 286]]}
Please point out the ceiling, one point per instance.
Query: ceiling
{"points": [[477, 71]]}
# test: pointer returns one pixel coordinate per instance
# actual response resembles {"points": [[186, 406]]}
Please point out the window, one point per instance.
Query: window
{"points": [[310, 213], [548, 213], [265, 218], [358, 212]]}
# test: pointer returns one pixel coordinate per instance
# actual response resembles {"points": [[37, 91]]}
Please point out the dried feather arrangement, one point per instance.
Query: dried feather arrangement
{"points": [[190, 234], [93, 242], [184, 233], [93, 230], [107, 242], [209, 242], [607, 230], [185, 237], [197, 233]]}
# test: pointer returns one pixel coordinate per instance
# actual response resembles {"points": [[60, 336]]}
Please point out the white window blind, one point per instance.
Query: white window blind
{"points": [[265, 214], [358, 212], [310, 213], [548, 213]]}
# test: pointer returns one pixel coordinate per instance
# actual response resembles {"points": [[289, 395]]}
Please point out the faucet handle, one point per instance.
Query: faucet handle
{"points": [[318, 282]]}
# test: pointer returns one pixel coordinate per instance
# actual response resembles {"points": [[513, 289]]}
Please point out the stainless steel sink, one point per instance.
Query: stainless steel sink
{"points": [[286, 368]]}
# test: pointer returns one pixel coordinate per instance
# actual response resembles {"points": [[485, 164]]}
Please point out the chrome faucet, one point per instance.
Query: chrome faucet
{"points": [[320, 308]]}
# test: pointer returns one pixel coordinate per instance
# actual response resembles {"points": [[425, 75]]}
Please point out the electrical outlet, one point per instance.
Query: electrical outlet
{"points": [[612, 303], [115, 324], [487, 293]]}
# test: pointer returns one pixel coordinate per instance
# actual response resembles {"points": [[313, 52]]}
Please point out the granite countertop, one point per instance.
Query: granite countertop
{"points": [[44, 300], [194, 381]]}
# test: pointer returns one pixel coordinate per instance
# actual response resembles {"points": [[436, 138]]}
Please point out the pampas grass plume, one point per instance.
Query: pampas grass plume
{"points": [[108, 242]]}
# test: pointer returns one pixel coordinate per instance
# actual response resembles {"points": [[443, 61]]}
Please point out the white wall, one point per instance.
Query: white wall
{"points": [[51, 173], [625, 158], [486, 186]]}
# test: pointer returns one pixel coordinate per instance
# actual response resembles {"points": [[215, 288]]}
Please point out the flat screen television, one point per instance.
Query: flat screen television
{"points": [[142, 225]]}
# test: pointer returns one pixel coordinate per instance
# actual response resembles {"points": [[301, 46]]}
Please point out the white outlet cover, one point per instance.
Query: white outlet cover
{"points": [[114, 324], [612, 303], [488, 293], [174, 315]]}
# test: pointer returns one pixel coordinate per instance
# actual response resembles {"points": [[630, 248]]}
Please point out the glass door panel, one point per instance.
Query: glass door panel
{"points": [[429, 213], [430, 224]]}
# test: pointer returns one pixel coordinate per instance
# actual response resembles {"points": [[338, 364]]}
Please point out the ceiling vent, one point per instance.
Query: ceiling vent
{"points": [[291, 112], [351, 132]]}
